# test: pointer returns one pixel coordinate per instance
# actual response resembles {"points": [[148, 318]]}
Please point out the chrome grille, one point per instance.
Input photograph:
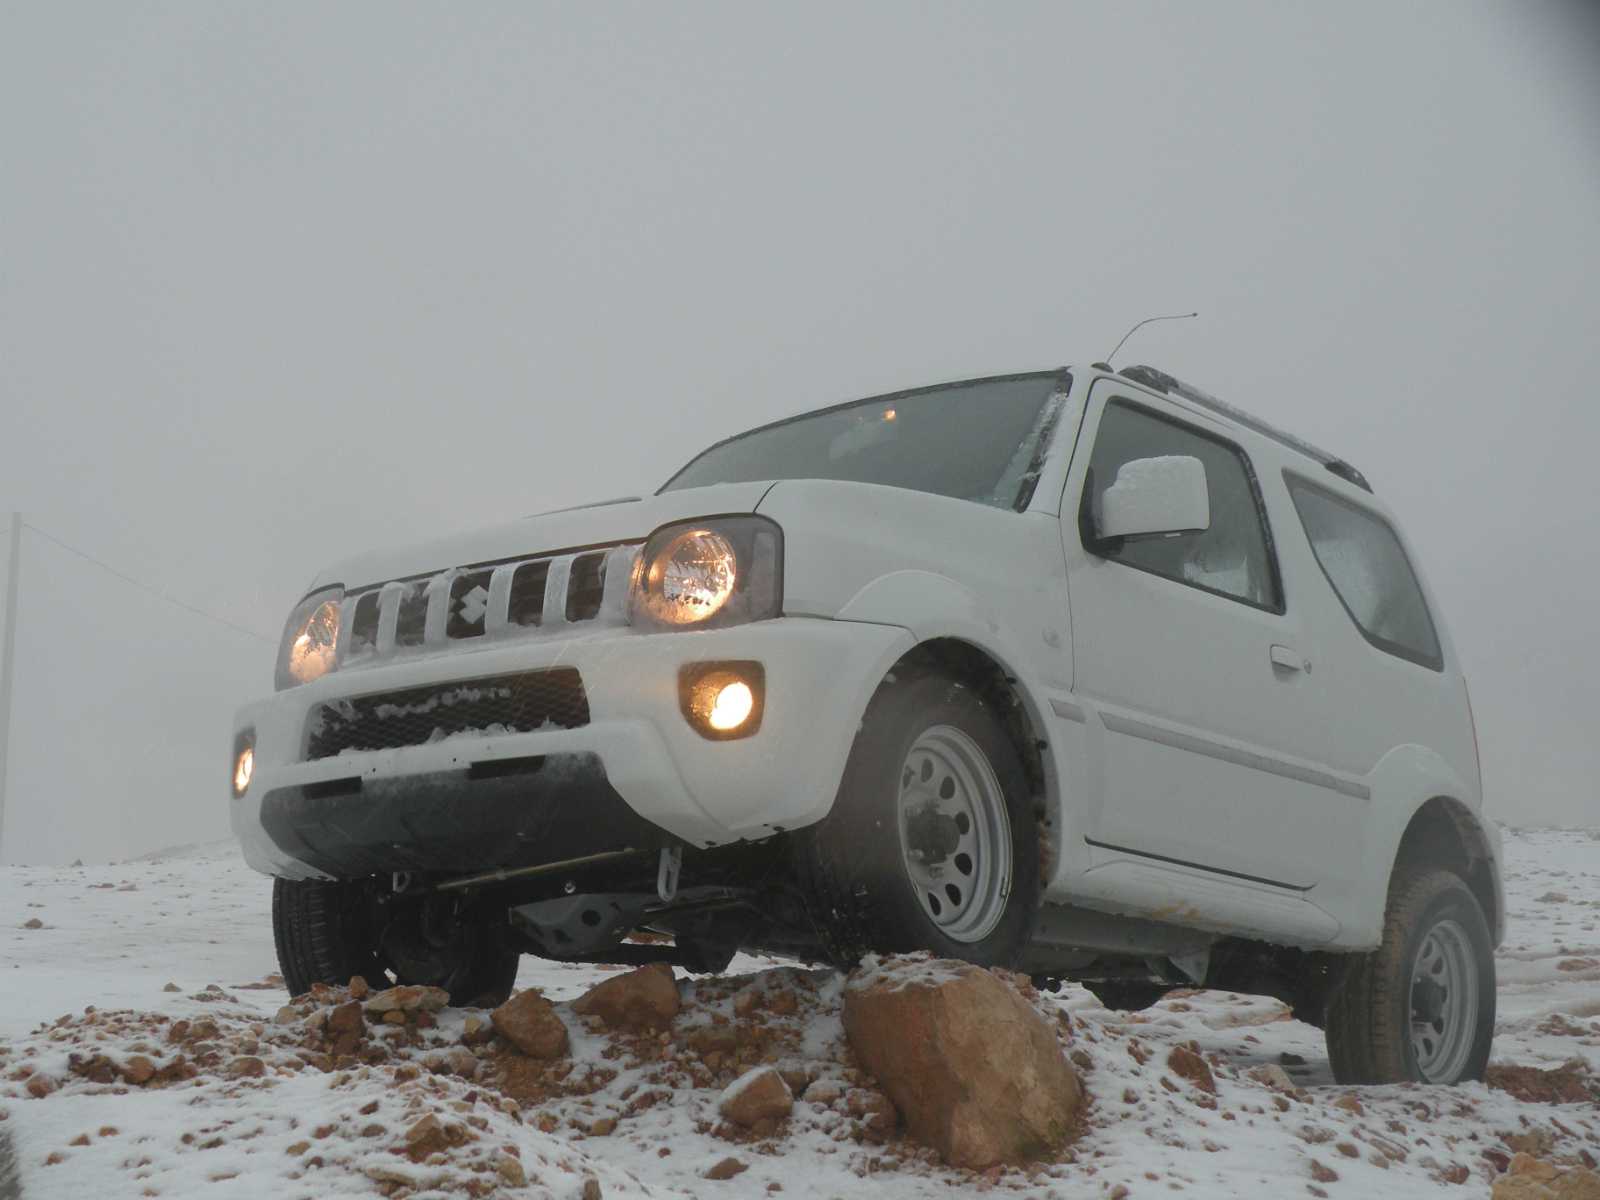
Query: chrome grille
{"points": [[471, 605]]}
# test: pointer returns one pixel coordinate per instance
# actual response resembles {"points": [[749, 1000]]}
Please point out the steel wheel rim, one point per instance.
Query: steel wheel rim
{"points": [[1443, 1003], [955, 834]]}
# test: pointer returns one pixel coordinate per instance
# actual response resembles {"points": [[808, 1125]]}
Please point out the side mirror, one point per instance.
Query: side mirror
{"points": [[1155, 496]]}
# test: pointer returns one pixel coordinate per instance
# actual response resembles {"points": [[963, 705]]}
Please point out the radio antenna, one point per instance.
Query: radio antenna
{"points": [[1142, 324]]}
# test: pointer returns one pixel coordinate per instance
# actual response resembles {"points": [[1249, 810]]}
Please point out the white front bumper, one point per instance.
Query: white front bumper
{"points": [[819, 676]]}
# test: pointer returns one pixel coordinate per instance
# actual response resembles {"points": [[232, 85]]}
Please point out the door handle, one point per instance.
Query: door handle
{"points": [[1289, 659]]}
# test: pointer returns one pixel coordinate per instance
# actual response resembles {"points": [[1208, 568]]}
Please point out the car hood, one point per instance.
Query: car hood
{"points": [[606, 523]]}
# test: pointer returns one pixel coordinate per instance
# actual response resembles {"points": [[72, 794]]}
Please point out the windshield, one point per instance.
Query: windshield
{"points": [[982, 441]]}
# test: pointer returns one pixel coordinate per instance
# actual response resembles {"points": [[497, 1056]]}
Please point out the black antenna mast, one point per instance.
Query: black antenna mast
{"points": [[1142, 324]]}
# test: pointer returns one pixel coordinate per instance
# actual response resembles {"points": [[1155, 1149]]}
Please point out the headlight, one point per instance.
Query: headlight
{"points": [[706, 574], [310, 639]]}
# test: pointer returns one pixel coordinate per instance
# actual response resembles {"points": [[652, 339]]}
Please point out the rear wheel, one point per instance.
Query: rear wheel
{"points": [[1420, 1007], [933, 842], [327, 932]]}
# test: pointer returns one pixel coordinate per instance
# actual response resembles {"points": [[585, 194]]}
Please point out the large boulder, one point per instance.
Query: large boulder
{"points": [[642, 999], [530, 1023], [975, 1071]]}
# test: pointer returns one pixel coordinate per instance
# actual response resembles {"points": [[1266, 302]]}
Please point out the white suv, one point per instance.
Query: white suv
{"points": [[1082, 672]]}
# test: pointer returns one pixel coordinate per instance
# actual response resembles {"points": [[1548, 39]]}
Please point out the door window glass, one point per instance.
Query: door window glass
{"points": [[1234, 556], [1369, 570]]}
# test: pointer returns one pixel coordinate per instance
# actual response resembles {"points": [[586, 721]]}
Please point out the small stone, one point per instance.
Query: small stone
{"points": [[756, 1095], [297, 1148], [138, 1070], [358, 988], [425, 1137], [81, 1140], [287, 1015], [1273, 1076], [1323, 1174], [1185, 1062], [346, 1018], [33, 923], [604, 1127], [475, 1031], [172, 987], [530, 1023], [643, 999], [1350, 1104], [591, 1188], [823, 1091], [726, 1169], [510, 1171], [40, 1086], [394, 1017], [246, 1067]]}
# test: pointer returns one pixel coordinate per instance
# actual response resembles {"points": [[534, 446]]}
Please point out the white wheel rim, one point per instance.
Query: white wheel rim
{"points": [[955, 835], [1443, 1003]]}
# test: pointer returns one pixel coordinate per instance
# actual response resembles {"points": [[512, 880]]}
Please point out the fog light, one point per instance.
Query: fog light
{"points": [[244, 762], [722, 700]]}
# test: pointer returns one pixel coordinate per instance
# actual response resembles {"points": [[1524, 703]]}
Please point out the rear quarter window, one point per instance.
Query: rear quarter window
{"points": [[1369, 572]]}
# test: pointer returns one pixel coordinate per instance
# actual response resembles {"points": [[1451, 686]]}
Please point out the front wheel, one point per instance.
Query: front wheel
{"points": [[933, 841], [1421, 1007], [327, 932]]}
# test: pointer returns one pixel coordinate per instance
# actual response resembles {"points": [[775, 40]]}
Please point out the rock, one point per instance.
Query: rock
{"points": [[345, 1019], [40, 1086], [1534, 1168], [463, 1062], [33, 923], [1520, 1187], [287, 1015], [642, 999], [823, 1091], [138, 1070], [394, 1016], [726, 1169], [1274, 1076], [1323, 1174], [1577, 1184], [973, 1069], [530, 1023], [1351, 1104], [171, 987], [591, 1189], [359, 988], [425, 1137], [510, 1171], [476, 1030], [1185, 1062], [604, 1127], [408, 998], [246, 1067], [757, 1095]]}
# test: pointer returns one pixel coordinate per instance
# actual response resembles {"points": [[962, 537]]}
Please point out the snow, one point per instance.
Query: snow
{"points": [[114, 936]]}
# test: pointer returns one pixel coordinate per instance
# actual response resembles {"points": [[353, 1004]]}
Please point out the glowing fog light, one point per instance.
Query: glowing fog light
{"points": [[722, 700], [244, 762], [732, 707]]}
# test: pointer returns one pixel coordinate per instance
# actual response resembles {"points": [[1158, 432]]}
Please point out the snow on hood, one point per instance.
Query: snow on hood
{"points": [[545, 533]]}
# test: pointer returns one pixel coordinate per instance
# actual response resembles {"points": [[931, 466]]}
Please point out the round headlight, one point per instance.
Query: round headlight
{"points": [[691, 578], [311, 651]]}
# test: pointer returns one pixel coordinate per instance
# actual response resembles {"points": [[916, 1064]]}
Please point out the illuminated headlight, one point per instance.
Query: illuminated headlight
{"points": [[706, 574], [244, 762], [310, 639]]}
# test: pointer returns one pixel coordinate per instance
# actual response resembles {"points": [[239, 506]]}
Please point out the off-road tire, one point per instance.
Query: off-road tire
{"points": [[851, 865], [1369, 1010], [324, 934]]}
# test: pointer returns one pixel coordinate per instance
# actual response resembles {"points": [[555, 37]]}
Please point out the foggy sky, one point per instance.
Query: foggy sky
{"points": [[280, 282]]}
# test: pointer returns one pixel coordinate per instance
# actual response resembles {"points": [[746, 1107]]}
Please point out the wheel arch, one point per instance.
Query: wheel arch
{"points": [[981, 669], [1444, 832]]}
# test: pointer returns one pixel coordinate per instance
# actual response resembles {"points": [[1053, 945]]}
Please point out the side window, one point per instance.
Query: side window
{"points": [[1368, 568], [1232, 558]]}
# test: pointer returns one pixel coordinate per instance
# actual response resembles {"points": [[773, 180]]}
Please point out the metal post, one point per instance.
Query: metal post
{"points": [[8, 664]]}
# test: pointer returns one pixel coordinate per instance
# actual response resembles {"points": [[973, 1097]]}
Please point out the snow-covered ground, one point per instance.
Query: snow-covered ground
{"points": [[185, 937]]}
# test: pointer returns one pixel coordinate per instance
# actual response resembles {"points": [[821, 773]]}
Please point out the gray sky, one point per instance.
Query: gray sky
{"points": [[279, 282]]}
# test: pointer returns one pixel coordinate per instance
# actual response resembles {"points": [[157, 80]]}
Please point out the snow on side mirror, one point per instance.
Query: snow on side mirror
{"points": [[1162, 495]]}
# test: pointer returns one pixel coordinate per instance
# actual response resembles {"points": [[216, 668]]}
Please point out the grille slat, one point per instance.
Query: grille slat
{"points": [[418, 716], [515, 598]]}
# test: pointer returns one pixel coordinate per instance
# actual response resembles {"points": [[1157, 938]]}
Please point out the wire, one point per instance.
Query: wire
{"points": [[145, 587]]}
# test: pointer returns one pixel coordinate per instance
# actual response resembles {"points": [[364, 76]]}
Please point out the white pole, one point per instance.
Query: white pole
{"points": [[8, 663]]}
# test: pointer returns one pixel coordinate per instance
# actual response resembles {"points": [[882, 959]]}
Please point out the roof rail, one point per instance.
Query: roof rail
{"points": [[1170, 385]]}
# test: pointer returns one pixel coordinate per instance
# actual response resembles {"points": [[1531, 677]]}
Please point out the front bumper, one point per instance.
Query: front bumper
{"points": [[637, 774]]}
